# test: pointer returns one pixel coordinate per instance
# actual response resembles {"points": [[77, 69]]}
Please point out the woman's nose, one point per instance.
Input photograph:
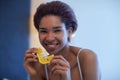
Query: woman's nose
{"points": [[50, 36]]}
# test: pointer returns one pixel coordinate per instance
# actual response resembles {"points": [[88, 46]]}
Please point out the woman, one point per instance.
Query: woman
{"points": [[56, 22]]}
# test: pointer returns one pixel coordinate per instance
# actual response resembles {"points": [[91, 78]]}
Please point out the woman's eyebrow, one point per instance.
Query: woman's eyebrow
{"points": [[42, 29], [57, 27]]}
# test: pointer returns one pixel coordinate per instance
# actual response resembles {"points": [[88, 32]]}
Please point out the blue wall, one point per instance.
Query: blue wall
{"points": [[14, 38]]}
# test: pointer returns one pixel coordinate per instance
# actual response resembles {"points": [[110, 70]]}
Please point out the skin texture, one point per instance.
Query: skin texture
{"points": [[53, 36]]}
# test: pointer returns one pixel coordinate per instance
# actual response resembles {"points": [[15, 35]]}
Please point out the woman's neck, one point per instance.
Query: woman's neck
{"points": [[64, 51]]}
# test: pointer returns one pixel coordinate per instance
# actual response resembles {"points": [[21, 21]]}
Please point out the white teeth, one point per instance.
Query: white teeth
{"points": [[51, 45]]}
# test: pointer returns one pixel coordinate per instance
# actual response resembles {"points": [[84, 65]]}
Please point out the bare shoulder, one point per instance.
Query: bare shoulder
{"points": [[88, 60], [87, 54], [89, 64], [84, 53]]}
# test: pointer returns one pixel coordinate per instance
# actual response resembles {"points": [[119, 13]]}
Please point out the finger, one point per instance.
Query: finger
{"points": [[32, 50], [30, 55], [59, 60], [60, 57], [59, 69], [30, 60]]}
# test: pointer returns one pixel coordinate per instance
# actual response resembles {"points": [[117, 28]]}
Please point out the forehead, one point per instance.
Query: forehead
{"points": [[51, 20], [53, 27]]}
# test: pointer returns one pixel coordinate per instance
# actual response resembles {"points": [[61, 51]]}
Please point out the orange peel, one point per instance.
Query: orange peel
{"points": [[43, 56]]}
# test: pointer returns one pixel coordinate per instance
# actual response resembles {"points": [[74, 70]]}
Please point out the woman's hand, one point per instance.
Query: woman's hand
{"points": [[59, 69], [31, 63]]}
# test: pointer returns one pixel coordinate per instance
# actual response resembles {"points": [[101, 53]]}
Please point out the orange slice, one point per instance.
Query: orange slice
{"points": [[44, 58]]}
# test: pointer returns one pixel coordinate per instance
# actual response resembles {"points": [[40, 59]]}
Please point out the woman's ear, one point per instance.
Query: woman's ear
{"points": [[70, 31]]}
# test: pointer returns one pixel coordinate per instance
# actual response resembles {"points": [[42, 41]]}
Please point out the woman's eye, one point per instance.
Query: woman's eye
{"points": [[42, 31], [57, 30]]}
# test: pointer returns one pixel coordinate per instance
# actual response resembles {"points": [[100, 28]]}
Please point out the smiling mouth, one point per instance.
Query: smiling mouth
{"points": [[52, 46]]}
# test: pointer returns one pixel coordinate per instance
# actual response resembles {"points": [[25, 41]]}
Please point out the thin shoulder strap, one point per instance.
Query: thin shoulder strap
{"points": [[46, 71], [78, 61]]}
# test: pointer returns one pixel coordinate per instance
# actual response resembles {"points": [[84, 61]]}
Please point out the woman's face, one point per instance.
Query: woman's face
{"points": [[53, 34]]}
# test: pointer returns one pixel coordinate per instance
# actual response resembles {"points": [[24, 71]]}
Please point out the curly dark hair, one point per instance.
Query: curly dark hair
{"points": [[56, 8]]}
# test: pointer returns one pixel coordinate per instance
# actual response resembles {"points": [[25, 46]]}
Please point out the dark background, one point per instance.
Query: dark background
{"points": [[14, 38]]}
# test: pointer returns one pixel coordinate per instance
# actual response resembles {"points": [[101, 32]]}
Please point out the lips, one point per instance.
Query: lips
{"points": [[51, 47]]}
